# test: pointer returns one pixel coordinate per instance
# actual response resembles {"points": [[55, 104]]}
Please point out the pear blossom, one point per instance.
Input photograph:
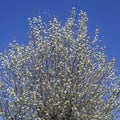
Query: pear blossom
{"points": [[62, 74]]}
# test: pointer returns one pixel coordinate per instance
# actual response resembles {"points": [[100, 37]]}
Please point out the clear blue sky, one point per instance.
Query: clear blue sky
{"points": [[103, 14]]}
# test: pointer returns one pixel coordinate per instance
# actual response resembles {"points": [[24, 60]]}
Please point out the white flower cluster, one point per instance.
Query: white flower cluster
{"points": [[60, 75]]}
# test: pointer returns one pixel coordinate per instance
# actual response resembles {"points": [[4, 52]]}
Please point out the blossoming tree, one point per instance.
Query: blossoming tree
{"points": [[62, 74]]}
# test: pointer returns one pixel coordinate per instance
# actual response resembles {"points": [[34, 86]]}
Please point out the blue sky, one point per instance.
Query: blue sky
{"points": [[103, 14]]}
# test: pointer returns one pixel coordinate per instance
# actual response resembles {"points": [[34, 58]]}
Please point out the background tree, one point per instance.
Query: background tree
{"points": [[60, 75]]}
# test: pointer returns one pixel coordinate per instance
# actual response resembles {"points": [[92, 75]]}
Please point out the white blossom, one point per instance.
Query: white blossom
{"points": [[62, 74]]}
